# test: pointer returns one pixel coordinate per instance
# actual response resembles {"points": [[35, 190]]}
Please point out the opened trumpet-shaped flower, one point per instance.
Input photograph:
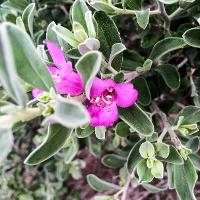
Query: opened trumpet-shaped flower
{"points": [[106, 96], [66, 80]]}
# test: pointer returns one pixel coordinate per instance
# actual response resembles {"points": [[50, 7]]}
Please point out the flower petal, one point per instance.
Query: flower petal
{"points": [[71, 84], [57, 55], [36, 92], [99, 86], [103, 116], [126, 95], [53, 70]]}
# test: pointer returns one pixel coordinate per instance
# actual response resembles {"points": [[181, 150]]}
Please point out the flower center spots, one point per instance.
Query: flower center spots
{"points": [[107, 97], [56, 77]]}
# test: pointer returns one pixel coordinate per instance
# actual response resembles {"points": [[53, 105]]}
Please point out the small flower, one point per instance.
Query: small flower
{"points": [[106, 95], [66, 80]]}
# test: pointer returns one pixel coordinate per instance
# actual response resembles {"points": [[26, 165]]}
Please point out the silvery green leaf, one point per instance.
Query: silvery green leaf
{"points": [[88, 66], [29, 65], [134, 116], [113, 161], [132, 4], [51, 34], [71, 151], [166, 46], [147, 150], [20, 23], [99, 185], [66, 35], [117, 48], [6, 142], [142, 17], [79, 32], [108, 34], [102, 6], [86, 132], [142, 87], [169, 1], [157, 169], [69, 113], [54, 141], [79, 9], [146, 66], [28, 16], [191, 37], [134, 157], [191, 115], [162, 150], [170, 75], [144, 172], [42, 53], [185, 177], [8, 73], [100, 132], [90, 24]]}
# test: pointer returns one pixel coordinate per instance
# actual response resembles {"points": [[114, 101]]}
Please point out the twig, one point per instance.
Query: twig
{"points": [[175, 13], [131, 75], [167, 126], [182, 63], [125, 189], [120, 11], [164, 15]]}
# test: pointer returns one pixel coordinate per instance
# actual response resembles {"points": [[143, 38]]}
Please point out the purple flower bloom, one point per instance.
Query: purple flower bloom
{"points": [[66, 80], [106, 95]]}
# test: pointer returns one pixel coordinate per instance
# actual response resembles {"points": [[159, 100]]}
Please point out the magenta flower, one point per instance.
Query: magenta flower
{"points": [[106, 96], [66, 80]]}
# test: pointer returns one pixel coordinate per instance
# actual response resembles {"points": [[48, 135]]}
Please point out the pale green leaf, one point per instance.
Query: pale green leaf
{"points": [[54, 141], [88, 66]]}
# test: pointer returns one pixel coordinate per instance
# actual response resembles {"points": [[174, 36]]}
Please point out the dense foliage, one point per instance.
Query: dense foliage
{"points": [[114, 80]]}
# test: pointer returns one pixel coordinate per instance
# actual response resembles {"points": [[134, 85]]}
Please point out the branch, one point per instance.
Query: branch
{"points": [[164, 15], [174, 138]]}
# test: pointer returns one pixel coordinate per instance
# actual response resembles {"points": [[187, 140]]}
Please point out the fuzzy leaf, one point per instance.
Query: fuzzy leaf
{"points": [[113, 161], [88, 66], [28, 63], [141, 85], [54, 141], [28, 16], [165, 46], [144, 172], [185, 177], [6, 143], [79, 10], [170, 75], [71, 114], [134, 157], [134, 116], [99, 185], [8, 74], [142, 17], [108, 35], [174, 157]]}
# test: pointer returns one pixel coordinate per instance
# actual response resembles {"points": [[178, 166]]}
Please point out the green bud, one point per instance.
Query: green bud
{"points": [[188, 129], [184, 151], [48, 111], [190, 126], [79, 32], [44, 97], [28, 87], [150, 162]]}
